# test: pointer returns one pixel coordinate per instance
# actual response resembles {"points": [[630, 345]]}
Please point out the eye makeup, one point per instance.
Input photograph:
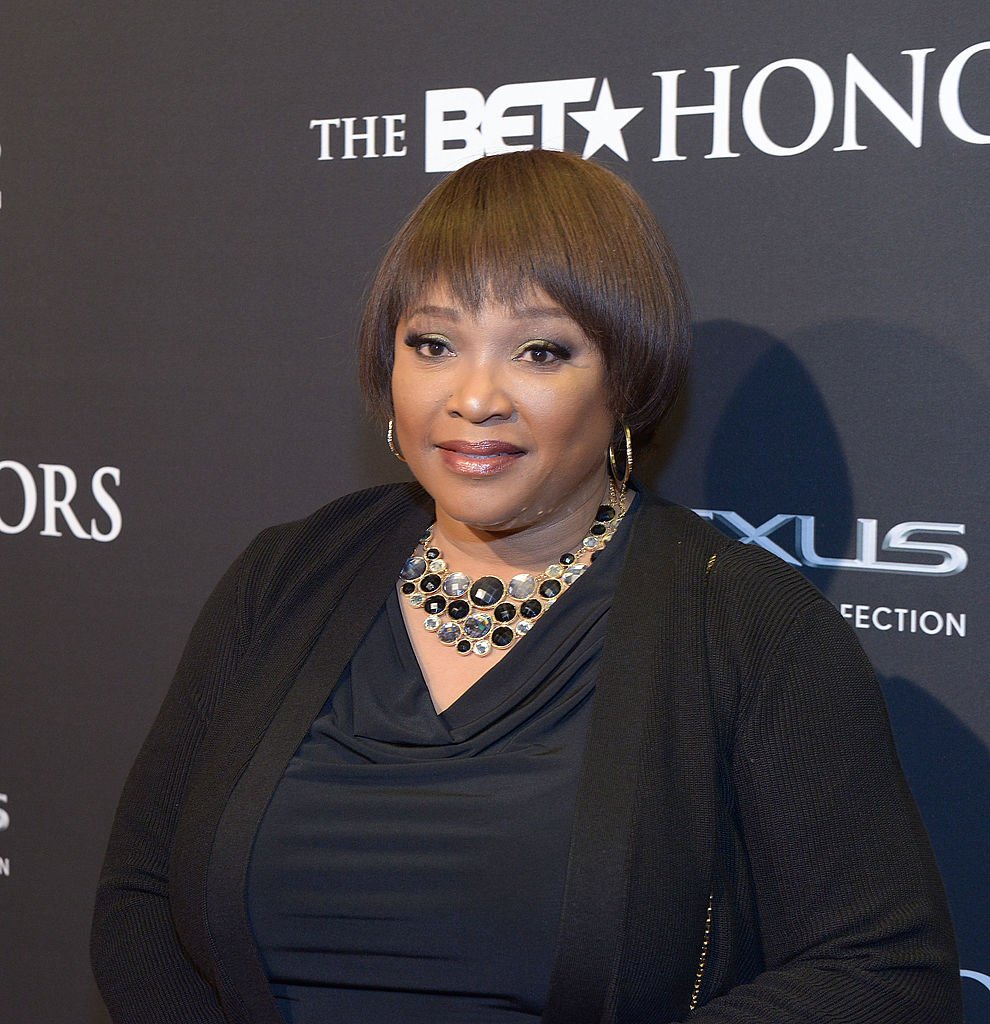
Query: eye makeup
{"points": [[555, 349], [417, 341]]}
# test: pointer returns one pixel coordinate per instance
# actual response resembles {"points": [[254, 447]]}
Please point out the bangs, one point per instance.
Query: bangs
{"points": [[503, 226], [494, 237]]}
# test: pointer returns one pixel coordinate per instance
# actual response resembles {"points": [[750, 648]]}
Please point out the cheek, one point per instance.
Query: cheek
{"points": [[580, 417], [413, 410], [406, 397], [574, 437], [416, 388], [416, 409]]}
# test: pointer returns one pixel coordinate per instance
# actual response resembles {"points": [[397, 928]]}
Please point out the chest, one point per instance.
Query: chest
{"points": [[447, 674]]}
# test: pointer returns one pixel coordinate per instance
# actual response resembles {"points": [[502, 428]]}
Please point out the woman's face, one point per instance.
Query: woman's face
{"points": [[502, 416]]}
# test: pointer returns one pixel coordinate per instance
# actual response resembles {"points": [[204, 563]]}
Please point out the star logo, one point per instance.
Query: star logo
{"points": [[604, 124]]}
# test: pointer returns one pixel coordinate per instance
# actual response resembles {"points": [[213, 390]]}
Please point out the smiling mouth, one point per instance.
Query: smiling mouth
{"points": [[479, 458]]}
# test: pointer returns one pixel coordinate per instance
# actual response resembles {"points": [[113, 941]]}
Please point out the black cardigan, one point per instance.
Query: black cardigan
{"points": [[738, 753]]}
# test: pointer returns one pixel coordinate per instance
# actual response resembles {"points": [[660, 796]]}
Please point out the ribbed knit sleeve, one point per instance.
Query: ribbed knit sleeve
{"points": [[139, 965], [851, 913]]}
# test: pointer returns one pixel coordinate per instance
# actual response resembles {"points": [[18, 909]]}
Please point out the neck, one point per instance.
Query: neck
{"points": [[528, 549]]}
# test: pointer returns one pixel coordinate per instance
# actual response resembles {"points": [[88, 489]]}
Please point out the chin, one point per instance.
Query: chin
{"points": [[491, 512], [490, 520]]}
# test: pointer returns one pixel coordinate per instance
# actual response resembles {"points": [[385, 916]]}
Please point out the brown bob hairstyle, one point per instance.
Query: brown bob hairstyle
{"points": [[502, 225]]}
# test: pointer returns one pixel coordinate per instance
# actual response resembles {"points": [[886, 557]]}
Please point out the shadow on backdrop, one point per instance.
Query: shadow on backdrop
{"points": [[948, 767], [751, 433], [97, 1012]]}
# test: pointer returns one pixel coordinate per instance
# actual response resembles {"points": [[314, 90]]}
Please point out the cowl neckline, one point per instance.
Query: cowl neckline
{"points": [[382, 710]]}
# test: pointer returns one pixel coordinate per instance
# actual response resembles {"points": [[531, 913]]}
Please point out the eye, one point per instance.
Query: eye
{"points": [[543, 353], [430, 346]]}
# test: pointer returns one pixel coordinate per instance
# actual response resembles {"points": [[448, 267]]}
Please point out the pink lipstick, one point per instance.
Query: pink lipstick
{"points": [[479, 458]]}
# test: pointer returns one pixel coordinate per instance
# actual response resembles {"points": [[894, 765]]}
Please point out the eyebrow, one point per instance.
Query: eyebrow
{"points": [[447, 312], [520, 312]]}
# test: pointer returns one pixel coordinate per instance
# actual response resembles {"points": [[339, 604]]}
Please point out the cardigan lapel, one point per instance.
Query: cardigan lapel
{"points": [[266, 718], [640, 807]]}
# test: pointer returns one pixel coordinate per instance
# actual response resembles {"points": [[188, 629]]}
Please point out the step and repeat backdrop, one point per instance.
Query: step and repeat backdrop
{"points": [[192, 200]]}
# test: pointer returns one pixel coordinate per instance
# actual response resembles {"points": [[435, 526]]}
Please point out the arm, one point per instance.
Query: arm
{"points": [[142, 971], [850, 907]]}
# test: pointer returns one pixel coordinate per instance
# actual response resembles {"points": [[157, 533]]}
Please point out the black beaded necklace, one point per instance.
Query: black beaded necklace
{"points": [[475, 616]]}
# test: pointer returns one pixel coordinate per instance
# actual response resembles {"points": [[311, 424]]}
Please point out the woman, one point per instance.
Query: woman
{"points": [[423, 761]]}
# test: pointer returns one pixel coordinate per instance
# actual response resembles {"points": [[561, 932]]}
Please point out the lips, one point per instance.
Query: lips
{"points": [[479, 458], [480, 449]]}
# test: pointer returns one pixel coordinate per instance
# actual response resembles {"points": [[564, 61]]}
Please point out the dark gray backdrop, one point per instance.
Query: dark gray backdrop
{"points": [[182, 274]]}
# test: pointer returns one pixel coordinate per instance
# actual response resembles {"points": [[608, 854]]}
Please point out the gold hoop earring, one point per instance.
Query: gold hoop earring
{"points": [[622, 478], [390, 437]]}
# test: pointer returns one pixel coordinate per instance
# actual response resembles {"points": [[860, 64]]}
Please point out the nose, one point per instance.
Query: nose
{"points": [[479, 393]]}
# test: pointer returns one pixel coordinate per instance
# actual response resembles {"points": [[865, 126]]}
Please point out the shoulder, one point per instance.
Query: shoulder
{"points": [[763, 627], [351, 513], [762, 620], [283, 556], [746, 592]]}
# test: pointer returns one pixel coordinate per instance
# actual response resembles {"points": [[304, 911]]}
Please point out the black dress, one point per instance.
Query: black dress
{"points": [[411, 865]]}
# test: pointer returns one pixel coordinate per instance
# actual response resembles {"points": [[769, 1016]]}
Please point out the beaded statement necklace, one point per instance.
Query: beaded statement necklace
{"points": [[473, 616]]}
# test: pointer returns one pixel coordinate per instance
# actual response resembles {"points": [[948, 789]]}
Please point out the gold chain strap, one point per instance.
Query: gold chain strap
{"points": [[703, 959]]}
